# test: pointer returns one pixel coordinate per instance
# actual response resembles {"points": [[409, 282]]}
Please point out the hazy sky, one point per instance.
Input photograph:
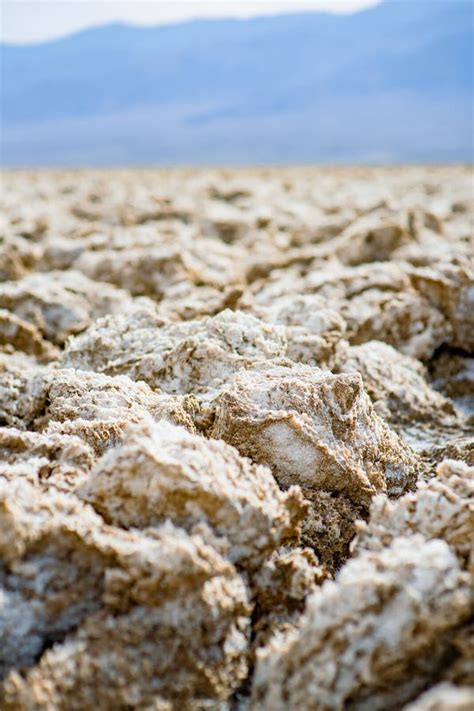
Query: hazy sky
{"points": [[37, 20]]}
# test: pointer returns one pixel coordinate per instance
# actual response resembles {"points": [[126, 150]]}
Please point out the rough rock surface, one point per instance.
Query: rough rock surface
{"points": [[313, 330], [442, 508], [315, 429], [16, 334], [281, 587], [385, 619], [98, 408], [399, 387], [115, 618], [320, 431], [46, 460], [60, 303], [397, 384], [195, 356], [22, 392], [163, 472], [237, 439], [452, 373]]}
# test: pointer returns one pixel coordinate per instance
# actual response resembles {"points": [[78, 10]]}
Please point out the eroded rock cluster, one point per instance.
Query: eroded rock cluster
{"points": [[237, 440]]}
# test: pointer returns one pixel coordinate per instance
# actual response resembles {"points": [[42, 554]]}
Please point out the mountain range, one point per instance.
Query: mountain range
{"points": [[389, 84]]}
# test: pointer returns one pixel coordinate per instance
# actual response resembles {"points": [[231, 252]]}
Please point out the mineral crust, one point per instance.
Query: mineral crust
{"points": [[315, 429], [162, 472], [385, 619], [94, 615], [237, 439]]}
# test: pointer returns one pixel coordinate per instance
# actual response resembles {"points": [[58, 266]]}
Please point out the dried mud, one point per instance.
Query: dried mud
{"points": [[237, 440]]}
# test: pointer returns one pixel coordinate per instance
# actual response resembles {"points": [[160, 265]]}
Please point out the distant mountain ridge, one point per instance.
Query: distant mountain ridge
{"points": [[389, 84]]}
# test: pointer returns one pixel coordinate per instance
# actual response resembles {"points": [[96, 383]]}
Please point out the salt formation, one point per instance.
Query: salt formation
{"points": [[237, 440], [385, 619], [397, 384], [444, 696], [314, 331], [98, 408], [315, 429], [22, 393], [60, 303], [16, 334], [320, 431], [161, 472], [115, 618], [46, 460], [453, 375], [442, 508], [280, 587], [191, 356]]}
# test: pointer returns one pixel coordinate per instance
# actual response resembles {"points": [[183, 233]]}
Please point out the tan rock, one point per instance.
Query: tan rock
{"points": [[379, 302], [46, 460], [313, 330], [60, 303], [131, 615], [452, 373], [163, 472], [315, 429], [189, 357], [145, 268], [461, 669], [440, 508], [98, 407], [281, 587], [403, 319], [185, 301], [16, 334], [331, 525], [397, 385], [22, 391], [17, 257], [373, 637], [142, 271], [460, 447], [373, 237], [450, 287]]}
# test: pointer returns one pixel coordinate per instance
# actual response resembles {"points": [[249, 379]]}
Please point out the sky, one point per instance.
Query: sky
{"points": [[29, 21]]}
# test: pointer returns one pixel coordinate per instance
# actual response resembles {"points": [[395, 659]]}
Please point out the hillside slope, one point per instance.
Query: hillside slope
{"points": [[393, 83]]}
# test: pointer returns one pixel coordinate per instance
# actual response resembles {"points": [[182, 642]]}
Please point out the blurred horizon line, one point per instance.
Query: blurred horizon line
{"points": [[128, 13], [389, 85]]}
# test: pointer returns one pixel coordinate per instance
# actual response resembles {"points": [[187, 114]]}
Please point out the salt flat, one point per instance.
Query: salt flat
{"points": [[237, 438]]}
